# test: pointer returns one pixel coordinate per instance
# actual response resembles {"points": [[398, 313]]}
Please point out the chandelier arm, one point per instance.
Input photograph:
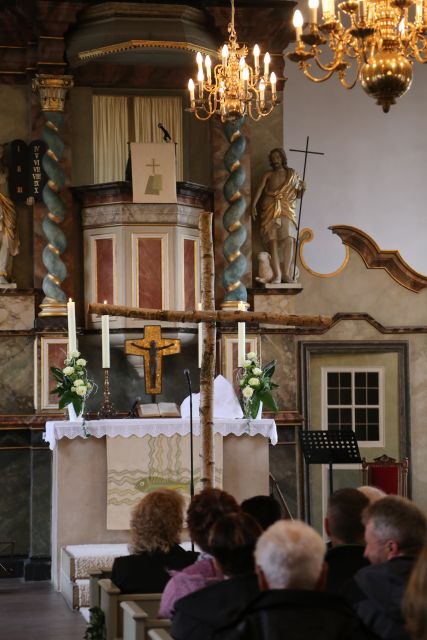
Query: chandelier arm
{"points": [[349, 85], [313, 78], [417, 55]]}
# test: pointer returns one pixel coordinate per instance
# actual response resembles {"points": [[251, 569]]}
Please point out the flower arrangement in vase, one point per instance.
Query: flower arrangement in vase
{"points": [[256, 386], [73, 384]]}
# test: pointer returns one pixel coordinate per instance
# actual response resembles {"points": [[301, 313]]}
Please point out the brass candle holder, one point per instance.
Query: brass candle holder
{"points": [[107, 409]]}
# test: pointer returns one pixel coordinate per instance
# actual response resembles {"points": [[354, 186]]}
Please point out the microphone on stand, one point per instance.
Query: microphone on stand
{"points": [[187, 375], [166, 135]]}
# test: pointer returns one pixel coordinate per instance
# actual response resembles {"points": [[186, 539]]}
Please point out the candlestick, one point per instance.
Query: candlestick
{"points": [[241, 337], [72, 337], [200, 335], [105, 321], [107, 409]]}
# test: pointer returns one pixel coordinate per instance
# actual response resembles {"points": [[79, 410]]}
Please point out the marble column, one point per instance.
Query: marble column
{"points": [[52, 91]]}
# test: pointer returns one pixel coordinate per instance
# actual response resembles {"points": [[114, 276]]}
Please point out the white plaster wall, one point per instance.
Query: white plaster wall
{"points": [[373, 174]]}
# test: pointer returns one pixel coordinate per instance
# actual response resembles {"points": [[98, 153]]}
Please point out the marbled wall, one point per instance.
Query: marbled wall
{"points": [[16, 374]]}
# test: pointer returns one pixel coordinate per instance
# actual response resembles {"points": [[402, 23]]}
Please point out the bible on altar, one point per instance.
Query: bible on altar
{"points": [[159, 410]]}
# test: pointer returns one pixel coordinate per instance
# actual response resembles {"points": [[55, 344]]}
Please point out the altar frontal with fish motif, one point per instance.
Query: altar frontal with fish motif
{"points": [[136, 466]]}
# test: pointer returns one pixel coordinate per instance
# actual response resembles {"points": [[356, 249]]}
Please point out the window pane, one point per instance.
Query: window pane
{"points": [[360, 379], [373, 416], [373, 432], [333, 416], [373, 396], [360, 416], [333, 396], [373, 379], [332, 379], [360, 432], [345, 416], [345, 396], [360, 396], [345, 379]]}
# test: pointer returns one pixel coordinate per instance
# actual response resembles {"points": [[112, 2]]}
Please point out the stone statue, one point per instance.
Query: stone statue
{"points": [[9, 237], [276, 196]]}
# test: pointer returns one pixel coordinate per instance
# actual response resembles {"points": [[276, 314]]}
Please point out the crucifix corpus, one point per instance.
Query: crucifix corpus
{"points": [[153, 348], [210, 317]]}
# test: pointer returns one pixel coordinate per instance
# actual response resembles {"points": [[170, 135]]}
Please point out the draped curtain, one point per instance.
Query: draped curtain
{"points": [[110, 137], [115, 118], [167, 110]]}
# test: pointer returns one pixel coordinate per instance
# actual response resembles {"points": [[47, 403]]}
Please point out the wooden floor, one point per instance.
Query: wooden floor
{"points": [[35, 611]]}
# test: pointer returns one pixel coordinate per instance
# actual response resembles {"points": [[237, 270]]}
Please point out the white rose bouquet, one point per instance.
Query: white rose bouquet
{"points": [[256, 386], [73, 385]]}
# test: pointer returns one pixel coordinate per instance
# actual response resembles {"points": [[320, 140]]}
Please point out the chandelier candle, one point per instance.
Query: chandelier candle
{"points": [[105, 323], [72, 337]]}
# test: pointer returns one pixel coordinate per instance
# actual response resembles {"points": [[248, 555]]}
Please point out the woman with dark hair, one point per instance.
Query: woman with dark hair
{"points": [[205, 509], [156, 525], [232, 543]]}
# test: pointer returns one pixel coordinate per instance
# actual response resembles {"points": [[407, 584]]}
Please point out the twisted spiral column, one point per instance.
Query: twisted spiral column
{"points": [[234, 289], [52, 91]]}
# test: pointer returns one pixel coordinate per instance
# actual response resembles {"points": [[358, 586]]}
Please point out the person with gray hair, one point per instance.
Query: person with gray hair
{"points": [[395, 533], [290, 564]]}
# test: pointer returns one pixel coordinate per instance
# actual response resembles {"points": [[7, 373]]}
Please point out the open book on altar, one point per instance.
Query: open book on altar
{"points": [[158, 410]]}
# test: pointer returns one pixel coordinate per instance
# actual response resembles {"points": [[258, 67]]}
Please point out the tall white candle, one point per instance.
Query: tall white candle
{"points": [[105, 341], [200, 336], [72, 337], [241, 337]]}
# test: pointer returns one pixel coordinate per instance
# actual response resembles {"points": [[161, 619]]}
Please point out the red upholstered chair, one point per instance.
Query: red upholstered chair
{"points": [[387, 474]]}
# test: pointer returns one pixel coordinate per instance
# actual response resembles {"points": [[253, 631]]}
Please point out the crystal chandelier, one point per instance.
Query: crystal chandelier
{"points": [[233, 88], [375, 41]]}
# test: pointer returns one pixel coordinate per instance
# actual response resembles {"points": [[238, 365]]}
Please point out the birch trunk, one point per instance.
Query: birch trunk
{"points": [[207, 371]]}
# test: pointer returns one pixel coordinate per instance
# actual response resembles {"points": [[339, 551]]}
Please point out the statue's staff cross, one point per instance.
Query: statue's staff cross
{"points": [[306, 152]]}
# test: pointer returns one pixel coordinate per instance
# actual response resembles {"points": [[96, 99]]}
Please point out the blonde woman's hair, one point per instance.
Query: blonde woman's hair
{"points": [[157, 521], [414, 604]]}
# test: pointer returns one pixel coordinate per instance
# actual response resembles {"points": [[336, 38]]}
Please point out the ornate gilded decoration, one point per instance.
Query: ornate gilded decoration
{"points": [[307, 235], [129, 45], [52, 91], [376, 258]]}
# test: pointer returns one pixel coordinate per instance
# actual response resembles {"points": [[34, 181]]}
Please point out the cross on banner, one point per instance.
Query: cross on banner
{"points": [[306, 153], [152, 347], [153, 165]]}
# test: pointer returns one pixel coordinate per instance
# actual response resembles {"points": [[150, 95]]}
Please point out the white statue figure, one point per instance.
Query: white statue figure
{"points": [[277, 195], [9, 236]]}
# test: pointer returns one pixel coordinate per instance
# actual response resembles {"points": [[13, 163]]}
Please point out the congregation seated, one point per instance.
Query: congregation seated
{"points": [[290, 563], [344, 526], [232, 543], [205, 509], [156, 525], [265, 510], [395, 533]]}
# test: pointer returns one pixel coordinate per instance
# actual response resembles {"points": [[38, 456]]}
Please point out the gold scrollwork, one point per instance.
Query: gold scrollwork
{"points": [[307, 235]]}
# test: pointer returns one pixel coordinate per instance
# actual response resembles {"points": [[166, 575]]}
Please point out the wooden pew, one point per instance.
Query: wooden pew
{"points": [[95, 575], [137, 623], [111, 597]]}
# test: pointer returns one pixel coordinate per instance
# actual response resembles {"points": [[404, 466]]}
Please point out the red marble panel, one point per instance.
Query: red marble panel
{"points": [[56, 354], [189, 274], [150, 270], [104, 260]]}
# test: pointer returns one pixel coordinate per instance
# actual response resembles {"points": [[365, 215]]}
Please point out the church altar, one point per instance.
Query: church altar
{"points": [[79, 471]]}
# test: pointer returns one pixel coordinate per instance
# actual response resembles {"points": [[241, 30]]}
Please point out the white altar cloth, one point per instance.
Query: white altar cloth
{"points": [[155, 427]]}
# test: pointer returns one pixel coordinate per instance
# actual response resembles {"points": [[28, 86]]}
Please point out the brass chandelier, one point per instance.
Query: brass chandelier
{"points": [[233, 88], [371, 40]]}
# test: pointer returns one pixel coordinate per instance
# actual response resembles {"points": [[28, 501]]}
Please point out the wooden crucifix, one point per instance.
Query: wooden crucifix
{"points": [[153, 348], [210, 317]]}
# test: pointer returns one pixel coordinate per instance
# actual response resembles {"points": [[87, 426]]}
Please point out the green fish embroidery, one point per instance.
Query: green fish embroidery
{"points": [[151, 483]]}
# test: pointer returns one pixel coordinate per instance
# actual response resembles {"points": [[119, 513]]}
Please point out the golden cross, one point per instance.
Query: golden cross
{"points": [[152, 347], [153, 165]]}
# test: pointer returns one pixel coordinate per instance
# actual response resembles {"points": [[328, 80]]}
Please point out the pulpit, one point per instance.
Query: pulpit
{"points": [[79, 484]]}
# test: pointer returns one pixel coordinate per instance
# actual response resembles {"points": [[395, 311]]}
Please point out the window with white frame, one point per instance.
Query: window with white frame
{"points": [[352, 399]]}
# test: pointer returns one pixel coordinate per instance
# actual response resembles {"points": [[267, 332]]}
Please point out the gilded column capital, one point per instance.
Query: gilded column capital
{"points": [[52, 90]]}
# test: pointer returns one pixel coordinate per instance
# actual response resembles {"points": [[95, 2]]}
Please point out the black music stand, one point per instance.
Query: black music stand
{"points": [[330, 447]]}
